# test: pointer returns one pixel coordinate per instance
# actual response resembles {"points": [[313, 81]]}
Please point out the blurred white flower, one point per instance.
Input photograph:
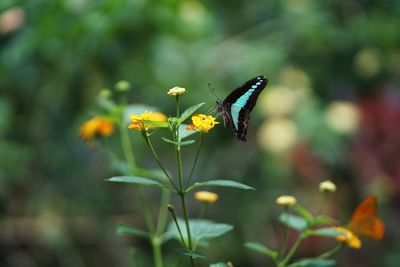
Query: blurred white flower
{"points": [[12, 19], [277, 135], [343, 117], [327, 186], [293, 78], [281, 100]]}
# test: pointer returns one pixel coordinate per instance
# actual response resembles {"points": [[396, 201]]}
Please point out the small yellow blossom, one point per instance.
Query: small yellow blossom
{"points": [[205, 196], [348, 236], [96, 127], [327, 186], [176, 91], [286, 201], [148, 116], [202, 123]]}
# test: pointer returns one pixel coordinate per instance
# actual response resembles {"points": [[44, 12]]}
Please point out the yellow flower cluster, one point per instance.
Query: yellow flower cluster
{"points": [[176, 91], [286, 201], [202, 123], [136, 123], [206, 197], [97, 126], [348, 236]]}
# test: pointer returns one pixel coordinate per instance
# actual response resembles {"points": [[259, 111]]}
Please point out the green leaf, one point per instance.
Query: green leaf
{"points": [[313, 263], [183, 133], [225, 183], [303, 212], [191, 253], [124, 229], [184, 143], [293, 221], [322, 219], [160, 124], [218, 264], [200, 230], [328, 232], [188, 112], [261, 249], [134, 180]]}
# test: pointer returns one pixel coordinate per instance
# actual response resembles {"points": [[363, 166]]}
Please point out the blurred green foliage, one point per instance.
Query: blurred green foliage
{"points": [[55, 57]]}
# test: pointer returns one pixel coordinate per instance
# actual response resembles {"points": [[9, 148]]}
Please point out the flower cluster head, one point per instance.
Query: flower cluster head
{"points": [[206, 197], [327, 186], [137, 124], [98, 126], [348, 237], [286, 201], [202, 123], [176, 91]]}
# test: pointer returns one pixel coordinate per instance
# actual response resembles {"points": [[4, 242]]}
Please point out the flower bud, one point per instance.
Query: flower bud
{"points": [[206, 197], [176, 91], [286, 201], [327, 186]]}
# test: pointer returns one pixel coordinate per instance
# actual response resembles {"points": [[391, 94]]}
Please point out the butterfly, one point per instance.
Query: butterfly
{"points": [[365, 221], [236, 107]]}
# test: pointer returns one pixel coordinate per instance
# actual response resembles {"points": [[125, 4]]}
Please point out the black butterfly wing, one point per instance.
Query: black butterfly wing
{"points": [[241, 90], [258, 84]]}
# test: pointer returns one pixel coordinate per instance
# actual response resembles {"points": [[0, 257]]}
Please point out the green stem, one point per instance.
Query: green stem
{"points": [[148, 142], [170, 208], [177, 106], [162, 215], [195, 160], [332, 251], [323, 202], [144, 210], [285, 234], [157, 255], [292, 251], [186, 217], [202, 210], [127, 146]]}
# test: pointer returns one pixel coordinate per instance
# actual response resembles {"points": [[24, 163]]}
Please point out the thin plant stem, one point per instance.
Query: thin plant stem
{"points": [[323, 202], [155, 156], [292, 251], [195, 161], [178, 227], [127, 146], [144, 210], [332, 251], [186, 217], [202, 210], [162, 215], [157, 255], [177, 105], [285, 234]]}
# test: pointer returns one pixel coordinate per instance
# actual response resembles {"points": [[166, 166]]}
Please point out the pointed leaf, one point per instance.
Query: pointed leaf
{"points": [[191, 253], [160, 124], [124, 229], [224, 183], [327, 231], [322, 219], [200, 230], [313, 263], [184, 143], [303, 212], [134, 180], [188, 112], [261, 249], [218, 264], [293, 221]]}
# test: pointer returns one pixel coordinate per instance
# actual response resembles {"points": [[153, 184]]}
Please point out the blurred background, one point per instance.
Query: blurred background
{"points": [[331, 111]]}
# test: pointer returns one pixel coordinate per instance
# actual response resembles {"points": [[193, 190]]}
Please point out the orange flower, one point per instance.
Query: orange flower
{"points": [[136, 123], [365, 222], [97, 126]]}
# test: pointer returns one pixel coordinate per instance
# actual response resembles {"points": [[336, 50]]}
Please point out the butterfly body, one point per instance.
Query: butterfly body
{"points": [[236, 107]]}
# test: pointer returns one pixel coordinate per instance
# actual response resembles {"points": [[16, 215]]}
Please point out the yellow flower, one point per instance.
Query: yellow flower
{"points": [[176, 91], [96, 127], [205, 196], [286, 201], [348, 236], [327, 186], [148, 116], [202, 123]]}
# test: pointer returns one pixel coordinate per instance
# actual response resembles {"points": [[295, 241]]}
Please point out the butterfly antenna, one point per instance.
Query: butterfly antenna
{"points": [[212, 90]]}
